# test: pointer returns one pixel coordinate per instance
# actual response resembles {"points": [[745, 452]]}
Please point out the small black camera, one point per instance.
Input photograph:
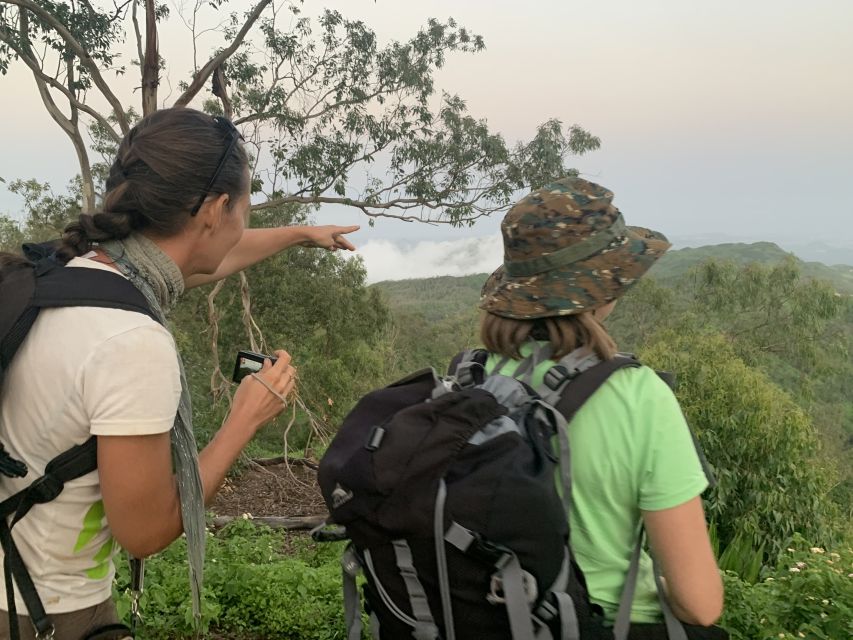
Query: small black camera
{"points": [[249, 363]]}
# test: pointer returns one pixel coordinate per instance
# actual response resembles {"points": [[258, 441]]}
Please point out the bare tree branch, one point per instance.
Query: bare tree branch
{"points": [[399, 203], [139, 52], [71, 126], [85, 59], [34, 66], [220, 90], [87, 181], [201, 77]]}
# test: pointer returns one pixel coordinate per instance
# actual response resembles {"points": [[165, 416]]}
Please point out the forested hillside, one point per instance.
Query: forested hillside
{"points": [[675, 263]]}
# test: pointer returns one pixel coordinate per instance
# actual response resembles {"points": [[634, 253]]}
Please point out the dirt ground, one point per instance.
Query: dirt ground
{"points": [[278, 490]]}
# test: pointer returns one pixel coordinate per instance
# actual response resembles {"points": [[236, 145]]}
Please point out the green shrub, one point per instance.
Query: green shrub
{"points": [[808, 595], [772, 479], [252, 588]]}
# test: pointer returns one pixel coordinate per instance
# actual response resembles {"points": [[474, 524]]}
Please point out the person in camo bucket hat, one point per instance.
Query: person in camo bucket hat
{"points": [[635, 466], [567, 250]]}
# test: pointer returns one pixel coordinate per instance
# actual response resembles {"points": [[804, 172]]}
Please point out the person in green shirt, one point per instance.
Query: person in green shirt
{"points": [[568, 256]]}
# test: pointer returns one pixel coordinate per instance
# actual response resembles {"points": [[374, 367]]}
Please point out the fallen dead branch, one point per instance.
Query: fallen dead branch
{"points": [[271, 462]]}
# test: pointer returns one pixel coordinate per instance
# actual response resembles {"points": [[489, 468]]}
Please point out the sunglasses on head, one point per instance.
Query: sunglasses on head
{"points": [[233, 137]]}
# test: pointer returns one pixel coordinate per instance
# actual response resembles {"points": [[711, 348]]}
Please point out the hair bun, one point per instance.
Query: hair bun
{"points": [[114, 225]]}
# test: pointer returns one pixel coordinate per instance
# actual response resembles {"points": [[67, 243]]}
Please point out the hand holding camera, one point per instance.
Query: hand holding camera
{"points": [[265, 384]]}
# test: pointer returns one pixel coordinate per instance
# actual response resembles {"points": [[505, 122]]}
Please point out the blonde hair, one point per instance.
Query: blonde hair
{"points": [[565, 333]]}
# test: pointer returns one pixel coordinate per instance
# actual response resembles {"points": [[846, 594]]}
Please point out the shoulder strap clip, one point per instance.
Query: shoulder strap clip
{"points": [[557, 375]]}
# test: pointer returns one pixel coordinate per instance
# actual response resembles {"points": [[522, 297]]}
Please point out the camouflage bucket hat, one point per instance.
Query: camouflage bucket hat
{"points": [[567, 250]]}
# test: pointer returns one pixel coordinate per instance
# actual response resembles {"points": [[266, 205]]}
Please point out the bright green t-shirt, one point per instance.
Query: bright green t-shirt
{"points": [[631, 449]]}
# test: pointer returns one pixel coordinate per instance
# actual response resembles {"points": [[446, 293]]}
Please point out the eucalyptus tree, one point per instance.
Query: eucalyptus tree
{"points": [[330, 114]]}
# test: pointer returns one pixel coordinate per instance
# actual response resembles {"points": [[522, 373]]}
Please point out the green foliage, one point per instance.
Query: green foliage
{"points": [[772, 481], [45, 213], [434, 299], [253, 588], [353, 100], [809, 594], [795, 329], [769, 309], [261, 583], [675, 264], [11, 236], [741, 558], [433, 319], [97, 30]]}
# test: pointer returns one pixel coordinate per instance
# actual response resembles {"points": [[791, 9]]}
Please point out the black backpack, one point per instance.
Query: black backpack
{"points": [[446, 489], [27, 287]]}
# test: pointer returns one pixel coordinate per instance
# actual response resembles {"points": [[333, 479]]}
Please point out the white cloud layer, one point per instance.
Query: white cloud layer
{"points": [[387, 260]]}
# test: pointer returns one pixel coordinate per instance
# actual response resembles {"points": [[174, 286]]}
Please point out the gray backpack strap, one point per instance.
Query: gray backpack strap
{"points": [[502, 363], [562, 605], [464, 368], [516, 598], [425, 629], [623, 616], [525, 371], [441, 561], [352, 603], [559, 376], [375, 631], [550, 414], [674, 627], [569, 626]]}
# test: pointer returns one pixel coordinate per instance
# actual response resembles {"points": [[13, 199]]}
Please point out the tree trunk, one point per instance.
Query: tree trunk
{"points": [[87, 182], [151, 64]]}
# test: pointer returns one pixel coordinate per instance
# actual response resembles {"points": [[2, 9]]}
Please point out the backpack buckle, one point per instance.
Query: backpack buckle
{"points": [[47, 634], [45, 489], [377, 434], [557, 375], [496, 593], [10, 467], [350, 562], [485, 551], [464, 376]]}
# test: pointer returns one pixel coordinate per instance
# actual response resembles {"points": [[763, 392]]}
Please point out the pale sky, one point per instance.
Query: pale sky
{"points": [[731, 118]]}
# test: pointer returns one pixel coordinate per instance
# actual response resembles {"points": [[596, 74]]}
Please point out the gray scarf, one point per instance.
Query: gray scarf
{"points": [[161, 282]]}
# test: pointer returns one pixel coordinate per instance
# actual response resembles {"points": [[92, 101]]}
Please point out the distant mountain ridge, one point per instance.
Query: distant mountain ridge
{"points": [[677, 262], [839, 252], [444, 296]]}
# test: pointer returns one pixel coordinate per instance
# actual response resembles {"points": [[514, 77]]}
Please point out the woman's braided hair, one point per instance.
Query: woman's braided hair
{"points": [[161, 169]]}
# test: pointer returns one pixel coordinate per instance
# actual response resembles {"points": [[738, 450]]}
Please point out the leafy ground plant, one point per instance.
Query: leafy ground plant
{"points": [[258, 584], [808, 595], [265, 584]]}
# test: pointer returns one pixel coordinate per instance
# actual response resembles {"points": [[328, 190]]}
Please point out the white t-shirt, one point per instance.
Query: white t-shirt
{"points": [[81, 371]]}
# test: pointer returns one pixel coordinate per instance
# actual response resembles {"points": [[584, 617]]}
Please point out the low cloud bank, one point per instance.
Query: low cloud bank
{"points": [[387, 260]]}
